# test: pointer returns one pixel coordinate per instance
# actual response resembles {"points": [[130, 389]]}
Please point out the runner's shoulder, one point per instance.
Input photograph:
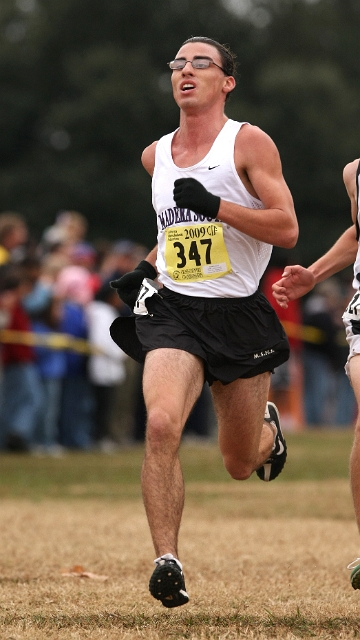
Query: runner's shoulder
{"points": [[148, 157], [253, 140]]}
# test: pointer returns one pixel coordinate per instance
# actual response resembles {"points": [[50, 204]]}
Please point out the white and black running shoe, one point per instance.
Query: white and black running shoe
{"points": [[354, 566], [275, 463], [167, 583]]}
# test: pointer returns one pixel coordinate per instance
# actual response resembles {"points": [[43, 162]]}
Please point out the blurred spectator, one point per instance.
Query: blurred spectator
{"points": [[69, 227], [13, 236], [106, 369], [122, 257], [37, 291], [128, 420], [65, 264], [328, 397], [128, 425], [74, 284], [74, 225], [286, 381], [8, 297], [21, 388], [74, 287], [51, 265], [51, 364], [83, 254]]}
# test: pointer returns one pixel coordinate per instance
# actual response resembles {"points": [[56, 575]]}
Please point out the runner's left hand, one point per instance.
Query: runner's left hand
{"points": [[191, 194]]}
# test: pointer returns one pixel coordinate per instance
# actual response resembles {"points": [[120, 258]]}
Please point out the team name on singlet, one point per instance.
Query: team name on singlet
{"points": [[177, 216]]}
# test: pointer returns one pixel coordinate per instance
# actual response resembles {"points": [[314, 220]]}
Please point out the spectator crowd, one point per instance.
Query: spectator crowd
{"points": [[65, 385], [60, 369]]}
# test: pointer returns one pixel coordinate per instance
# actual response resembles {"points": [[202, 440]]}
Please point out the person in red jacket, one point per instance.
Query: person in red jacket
{"points": [[21, 389], [286, 388]]}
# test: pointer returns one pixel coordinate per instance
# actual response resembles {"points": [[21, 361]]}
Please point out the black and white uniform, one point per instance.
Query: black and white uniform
{"points": [[351, 315], [198, 256], [210, 304]]}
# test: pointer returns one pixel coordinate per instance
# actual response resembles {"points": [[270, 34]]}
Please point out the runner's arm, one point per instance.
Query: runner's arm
{"points": [[258, 164]]}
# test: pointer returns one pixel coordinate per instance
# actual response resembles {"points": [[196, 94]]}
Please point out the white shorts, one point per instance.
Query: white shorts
{"points": [[351, 319]]}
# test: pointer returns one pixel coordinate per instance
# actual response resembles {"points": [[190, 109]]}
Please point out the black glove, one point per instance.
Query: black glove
{"points": [[191, 194], [129, 284]]}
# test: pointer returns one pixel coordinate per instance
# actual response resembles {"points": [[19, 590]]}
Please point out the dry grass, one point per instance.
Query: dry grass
{"points": [[261, 561]]}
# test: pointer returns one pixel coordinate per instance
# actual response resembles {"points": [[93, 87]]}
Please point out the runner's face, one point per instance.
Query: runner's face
{"points": [[199, 88]]}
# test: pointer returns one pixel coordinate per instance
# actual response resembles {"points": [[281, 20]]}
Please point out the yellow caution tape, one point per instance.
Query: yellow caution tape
{"points": [[313, 334], [304, 332], [59, 341]]}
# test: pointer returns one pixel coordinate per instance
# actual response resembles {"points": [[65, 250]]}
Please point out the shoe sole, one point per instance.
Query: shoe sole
{"points": [[167, 585]]}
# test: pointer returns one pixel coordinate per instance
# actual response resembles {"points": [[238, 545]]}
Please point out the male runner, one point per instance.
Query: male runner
{"points": [[297, 281], [221, 202]]}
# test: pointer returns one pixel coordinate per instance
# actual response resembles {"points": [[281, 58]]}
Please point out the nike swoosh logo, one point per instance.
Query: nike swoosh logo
{"points": [[217, 165], [281, 448]]}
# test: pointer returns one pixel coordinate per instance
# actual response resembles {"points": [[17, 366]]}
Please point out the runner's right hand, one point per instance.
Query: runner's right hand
{"points": [[295, 282], [129, 284]]}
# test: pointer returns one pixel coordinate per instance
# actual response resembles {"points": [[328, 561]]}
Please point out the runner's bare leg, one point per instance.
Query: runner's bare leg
{"points": [[354, 365], [245, 440], [172, 382]]}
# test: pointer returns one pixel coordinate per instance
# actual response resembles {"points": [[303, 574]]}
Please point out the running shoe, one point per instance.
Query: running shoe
{"points": [[167, 583], [275, 463], [354, 567]]}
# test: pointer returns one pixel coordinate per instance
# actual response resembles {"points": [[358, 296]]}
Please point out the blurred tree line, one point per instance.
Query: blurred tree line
{"points": [[85, 87]]}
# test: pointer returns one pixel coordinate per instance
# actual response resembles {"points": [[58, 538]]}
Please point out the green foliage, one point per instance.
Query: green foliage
{"points": [[85, 88]]}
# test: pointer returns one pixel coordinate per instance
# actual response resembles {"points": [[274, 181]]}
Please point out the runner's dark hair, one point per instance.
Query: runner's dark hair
{"points": [[227, 57]]}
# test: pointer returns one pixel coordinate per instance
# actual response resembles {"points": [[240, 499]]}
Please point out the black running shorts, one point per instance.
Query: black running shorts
{"points": [[235, 337]]}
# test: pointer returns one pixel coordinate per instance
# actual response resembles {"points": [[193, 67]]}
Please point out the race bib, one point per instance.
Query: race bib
{"points": [[196, 252], [352, 311]]}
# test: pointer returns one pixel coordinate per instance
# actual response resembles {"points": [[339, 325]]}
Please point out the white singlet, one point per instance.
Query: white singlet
{"points": [[356, 281], [351, 315], [198, 256]]}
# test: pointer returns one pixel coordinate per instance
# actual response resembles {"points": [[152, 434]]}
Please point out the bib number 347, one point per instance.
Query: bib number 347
{"points": [[196, 252]]}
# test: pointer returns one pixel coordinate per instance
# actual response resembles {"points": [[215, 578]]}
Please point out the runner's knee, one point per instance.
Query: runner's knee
{"points": [[161, 429], [237, 469]]}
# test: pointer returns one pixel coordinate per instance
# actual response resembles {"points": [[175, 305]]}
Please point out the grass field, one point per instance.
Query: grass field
{"points": [[260, 560]]}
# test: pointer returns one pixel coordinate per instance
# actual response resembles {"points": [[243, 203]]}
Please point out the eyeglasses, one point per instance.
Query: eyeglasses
{"points": [[197, 63]]}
